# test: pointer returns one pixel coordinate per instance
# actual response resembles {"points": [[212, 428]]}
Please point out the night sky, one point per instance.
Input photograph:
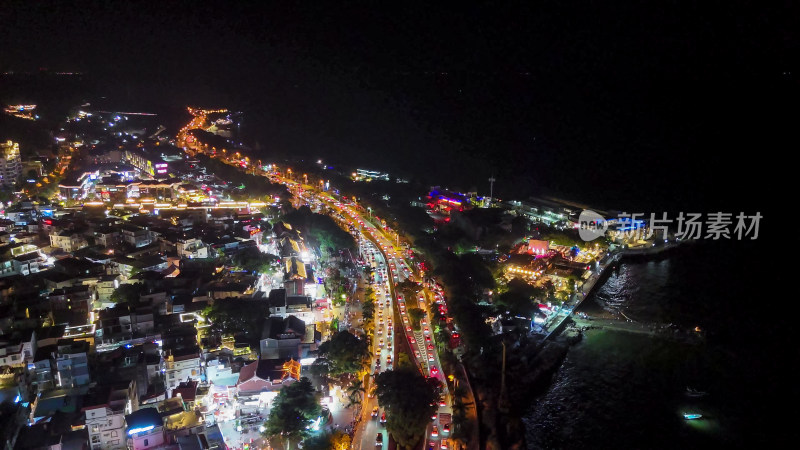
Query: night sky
{"points": [[659, 105]]}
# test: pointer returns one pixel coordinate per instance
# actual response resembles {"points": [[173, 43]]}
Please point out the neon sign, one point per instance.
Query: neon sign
{"points": [[133, 431]]}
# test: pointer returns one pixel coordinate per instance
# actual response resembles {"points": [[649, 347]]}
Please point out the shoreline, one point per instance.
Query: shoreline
{"points": [[609, 263]]}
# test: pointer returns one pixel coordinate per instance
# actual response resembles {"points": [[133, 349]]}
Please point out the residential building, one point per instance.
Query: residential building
{"points": [[288, 337], [182, 364], [136, 236], [145, 429], [17, 349], [72, 363], [10, 163], [191, 248], [67, 240], [267, 375], [104, 410]]}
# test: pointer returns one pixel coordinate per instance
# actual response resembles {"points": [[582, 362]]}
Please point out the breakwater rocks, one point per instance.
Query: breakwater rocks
{"points": [[572, 335]]}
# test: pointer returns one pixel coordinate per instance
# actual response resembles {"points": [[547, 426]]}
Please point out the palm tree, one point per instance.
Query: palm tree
{"points": [[461, 428], [354, 401], [460, 391], [356, 387]]}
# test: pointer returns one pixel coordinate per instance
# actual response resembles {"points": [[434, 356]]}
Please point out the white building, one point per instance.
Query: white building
{"points": [[105, 412], [10, 163], [136, 236], [68, 241], [192, 248], [17, 350], [181, 367]]}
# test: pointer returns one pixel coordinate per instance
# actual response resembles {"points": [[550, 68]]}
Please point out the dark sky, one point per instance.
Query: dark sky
{"points": [[620, 103]]}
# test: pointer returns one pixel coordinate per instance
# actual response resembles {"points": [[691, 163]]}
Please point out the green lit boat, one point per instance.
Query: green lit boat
{"points": [[691, 416]]}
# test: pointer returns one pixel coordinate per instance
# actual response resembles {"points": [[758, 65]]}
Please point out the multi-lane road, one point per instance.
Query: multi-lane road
{"points": [[391, 267]]}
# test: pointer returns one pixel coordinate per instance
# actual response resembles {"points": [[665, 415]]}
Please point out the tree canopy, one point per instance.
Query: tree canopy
{"points": [[232, 315], [293, 410], [328, 440], [320, 229], [415, 314], [255, 186], [518, 298], [127, 293], [345, 353], [368, 309], [409, 289], [253, 260], [409, 400]]}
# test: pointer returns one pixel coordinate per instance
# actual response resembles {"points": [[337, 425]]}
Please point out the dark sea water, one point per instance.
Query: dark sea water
{"points": [[622, 390]]}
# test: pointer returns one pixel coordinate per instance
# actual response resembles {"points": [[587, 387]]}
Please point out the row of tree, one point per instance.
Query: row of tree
{"points": [[320, 230], [253, 185]]}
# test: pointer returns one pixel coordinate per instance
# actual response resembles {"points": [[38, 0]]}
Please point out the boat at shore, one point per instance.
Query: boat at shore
{"points": [[694, 392]]}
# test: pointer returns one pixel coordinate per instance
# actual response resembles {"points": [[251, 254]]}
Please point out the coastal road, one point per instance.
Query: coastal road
{"points": [[379, 246]]}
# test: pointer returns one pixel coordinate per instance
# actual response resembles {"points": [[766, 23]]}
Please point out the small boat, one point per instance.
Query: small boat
{"points": [[691, 416], [694, 392]]}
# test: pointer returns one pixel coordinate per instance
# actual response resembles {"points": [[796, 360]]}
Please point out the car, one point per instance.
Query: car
{"points": [[434, 371], [377, 353], [434, 416], [430, 347], [383, 417], [443, 445], [427, 330], [379, 440], [389, 359], [380, 343], [431, 445], [446, 428], [412, 340], [375, 412], [416, 353], [435, 432], [427, 338], [430, 357], [442, 402]]}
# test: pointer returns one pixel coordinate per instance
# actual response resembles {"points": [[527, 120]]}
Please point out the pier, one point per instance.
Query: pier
{"points": [[660, 330], [605, 266]]}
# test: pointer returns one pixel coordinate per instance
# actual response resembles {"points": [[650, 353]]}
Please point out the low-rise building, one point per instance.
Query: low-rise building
{"points": [[130, 266], [288, 337], [191, 248], [136, 236], [17, 349], [104, 411], [72, 363], [144, 429], [67, 240], [182, 364], [267, 375]]}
